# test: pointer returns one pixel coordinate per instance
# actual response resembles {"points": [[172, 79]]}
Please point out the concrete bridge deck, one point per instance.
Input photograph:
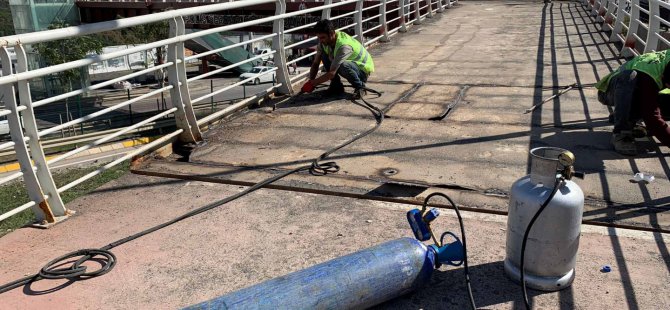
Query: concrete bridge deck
{"points": [[486, 61]]}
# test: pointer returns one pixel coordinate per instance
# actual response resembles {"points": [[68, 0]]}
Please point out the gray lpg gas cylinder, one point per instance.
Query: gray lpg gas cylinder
{"points": [[551, 249]]}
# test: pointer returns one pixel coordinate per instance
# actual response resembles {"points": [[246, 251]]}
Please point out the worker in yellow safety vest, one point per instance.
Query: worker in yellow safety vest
{"points": [[342, 56], [633, 92]]}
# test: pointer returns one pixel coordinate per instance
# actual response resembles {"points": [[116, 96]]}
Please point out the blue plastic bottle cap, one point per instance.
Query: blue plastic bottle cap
{"points": [[606, 268]]}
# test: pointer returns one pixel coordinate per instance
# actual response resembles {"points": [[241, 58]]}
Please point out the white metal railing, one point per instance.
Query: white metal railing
{"points": [[621, 21], [597, 4], [601, 10], [656, 26], [639, 29], [609, 15], [370, 24]]}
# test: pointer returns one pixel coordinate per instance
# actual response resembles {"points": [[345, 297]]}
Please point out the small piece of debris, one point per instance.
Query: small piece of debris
{"points": [[606, 269], [368, 221], [340, 235], [642, 177]]}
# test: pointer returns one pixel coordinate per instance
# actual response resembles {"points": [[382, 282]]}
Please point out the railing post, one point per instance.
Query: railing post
{"points": [[602, 9], [654, 27], [440, 6], [358, 18], [33, 187], [184, 117], [429, 7], [382, 21], [618, 24], [325, 13], [403, 21], [278, 45], [595, 8], [53, 207], [417, 11], [632, 28], [609, 11]]}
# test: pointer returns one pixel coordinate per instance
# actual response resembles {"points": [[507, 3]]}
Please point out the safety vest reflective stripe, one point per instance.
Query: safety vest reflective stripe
{"points": [[360, 55]]}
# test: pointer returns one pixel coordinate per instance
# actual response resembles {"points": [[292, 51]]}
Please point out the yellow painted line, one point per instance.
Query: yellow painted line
{"points": [[124, 144], [10, 167], [128, 143], [138, 141]]}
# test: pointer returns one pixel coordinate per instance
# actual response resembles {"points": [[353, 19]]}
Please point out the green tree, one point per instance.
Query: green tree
{"points": [[151, 33], [6, 22], [67, 50]]}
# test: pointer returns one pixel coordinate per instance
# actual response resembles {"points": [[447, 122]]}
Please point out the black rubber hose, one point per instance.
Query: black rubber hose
{"points": [[465, 247], [319, 168], [557, 185], [77, 270]]}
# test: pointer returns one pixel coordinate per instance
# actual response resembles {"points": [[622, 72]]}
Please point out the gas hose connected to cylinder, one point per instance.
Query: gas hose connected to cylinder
{"points": [[566, 159]]}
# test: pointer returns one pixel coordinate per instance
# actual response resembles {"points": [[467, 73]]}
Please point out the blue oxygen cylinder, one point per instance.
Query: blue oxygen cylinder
{"points": [[356, 281]]}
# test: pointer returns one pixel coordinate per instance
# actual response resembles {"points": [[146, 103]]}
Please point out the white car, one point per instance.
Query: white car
{"points": [[4, 127], [266, 52], [265, 78]]}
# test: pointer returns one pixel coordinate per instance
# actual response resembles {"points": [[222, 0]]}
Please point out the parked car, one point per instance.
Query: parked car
{"points": [[265, 78], [4, 127], [266, 52]]}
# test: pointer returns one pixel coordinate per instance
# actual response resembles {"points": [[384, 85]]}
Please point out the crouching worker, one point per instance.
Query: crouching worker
{"points": [[342, 56], [633, 91]]}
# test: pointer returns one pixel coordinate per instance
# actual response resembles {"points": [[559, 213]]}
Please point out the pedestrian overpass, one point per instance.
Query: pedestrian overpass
{"points": [[456, 80]]}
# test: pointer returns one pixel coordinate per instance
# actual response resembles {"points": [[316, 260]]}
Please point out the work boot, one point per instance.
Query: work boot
{"points": [[602, 98], [359, 93], [334, 91], [639, 131], [624, 143], [333, 94]]}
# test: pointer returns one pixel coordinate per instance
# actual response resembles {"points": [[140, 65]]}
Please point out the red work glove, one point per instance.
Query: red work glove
{"points": [[308, 87]]}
